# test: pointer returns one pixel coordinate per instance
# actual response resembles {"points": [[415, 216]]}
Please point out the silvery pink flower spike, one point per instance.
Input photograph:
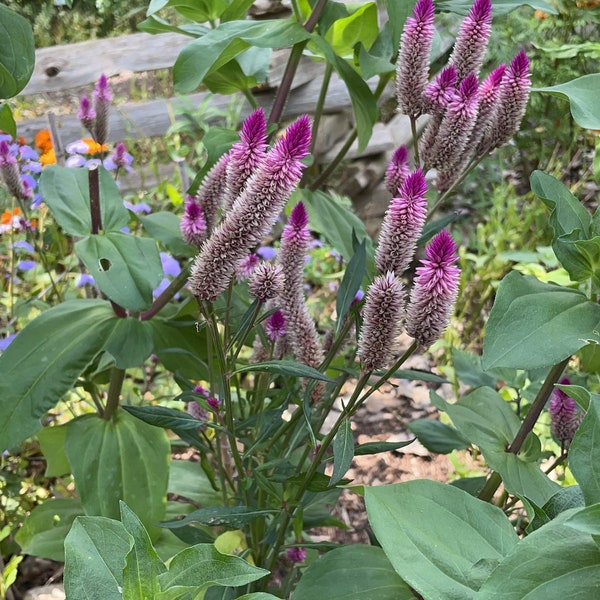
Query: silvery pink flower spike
{"points": [[434, 292], [397, 170], [383, 314], [413, 60], [253, 214], [565, 416], [246, 267], [193, 224], [211, 191], [86, 114], [275, 326], [266, 282], [301, 330], [471, 43], [402, 225], [10, 173], [440, 91], [102, 100], [489, 93], [246, 155]]}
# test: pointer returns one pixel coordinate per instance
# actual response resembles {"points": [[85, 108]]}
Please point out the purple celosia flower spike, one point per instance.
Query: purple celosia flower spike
{"points": [[193, 224], [266, 282], [10, 173], [102, 100], [383, 315], [511, 104], [86, 114], [275, 326], [397, 170], [413, 60], [210, 193], [301, 330], [455, 128], [565, 417], [434, 292], [253, 213], [471, 43], [246, 266], [402, 225], [246, 156]]}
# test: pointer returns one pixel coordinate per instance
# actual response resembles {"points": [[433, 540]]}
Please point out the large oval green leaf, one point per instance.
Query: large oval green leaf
{"points": [[130, 342], [17, 52], [352, 573], [125, 267], [436, 536], [122, 459], [535, 324], [44, 361], [555, 562], [66, 192]]}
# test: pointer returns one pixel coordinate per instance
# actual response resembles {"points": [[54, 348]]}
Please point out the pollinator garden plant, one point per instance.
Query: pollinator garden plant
{"points": [[258, 378]]}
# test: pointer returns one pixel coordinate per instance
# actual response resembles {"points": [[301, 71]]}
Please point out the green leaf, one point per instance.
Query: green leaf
{"points": [[17, 52], [142, 565], [66, 192], [582, 93], [552, 563], [535, 324], [578, 393], [201, 566], [363, 101], [355, 572], [236, 10], [232, 516], [501, 7], [242, 73], [125, 267], [565, 499], [95, 551], [44, 529], [351, 282], [378, 447], [208, 53], [336, 223], [7, 121], [194, 10], [164, 227], [584, 454], [187, 479], [258, 596], [130, 342], [360, 26], [52, 445], [44, 361], [454, 532], [162, 416], [343, 451], [397, 11], [469, 371], [122, 459], [586, 520], [284, 367], [436, 436]]}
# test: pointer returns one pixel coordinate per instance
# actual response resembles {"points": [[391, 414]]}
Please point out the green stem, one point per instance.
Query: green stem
{"points": [[494, 481], [320, 105], [415, 137], [166, 295], [117, 376]]}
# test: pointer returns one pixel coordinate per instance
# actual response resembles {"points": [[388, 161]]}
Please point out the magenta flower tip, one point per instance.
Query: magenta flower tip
{"points": [[481, 10], [298, 216], [102, 91], [519, 65], [424, 10], [254, 129], [442, 249], [468, 86], [565, 417], [275, 326], [296, 139], [495, 77], [5, 149], [400, 156], [414, 185], [448, 76]]}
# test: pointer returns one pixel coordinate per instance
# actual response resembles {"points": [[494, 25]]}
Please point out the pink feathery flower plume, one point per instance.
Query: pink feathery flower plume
{"points": [[434, 292], [193, 224], [9, 170], [246, 266], [382, 314], [102, 100], [471, 43], [300, 327], [402, 226], [455, 128], [511, 104], [253, 214], [565, 417], [413, 60], [86, 114], [209, 195], [266, 282], [397, 170], [246, 155]]}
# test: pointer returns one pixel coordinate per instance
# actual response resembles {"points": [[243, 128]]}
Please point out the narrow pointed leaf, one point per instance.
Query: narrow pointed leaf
{"points": [[353, 277], [343, 452], [17, 52], [285, 367], [232, 516]]}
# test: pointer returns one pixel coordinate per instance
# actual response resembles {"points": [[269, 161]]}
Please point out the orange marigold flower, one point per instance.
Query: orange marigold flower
{"points": [[48, 157], [8, 215], [22, 141], [43, 140], [539, 14], [94, 147]]}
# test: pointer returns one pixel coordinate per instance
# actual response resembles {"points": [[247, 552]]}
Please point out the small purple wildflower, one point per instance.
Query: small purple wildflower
{"points": [[397, 171], [214, 403], [402, 225], [139, 207], [102, 100], [6, 341], [198, 389], [565, 417], [434, 292], [413, 61], [266, 282], [296, 554], [197, 411], [193, 224], [171, 266], [26, 265], [85, 279], [86, 114], [267, 252], [383, 315], [119, 159], [23, 245]]}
